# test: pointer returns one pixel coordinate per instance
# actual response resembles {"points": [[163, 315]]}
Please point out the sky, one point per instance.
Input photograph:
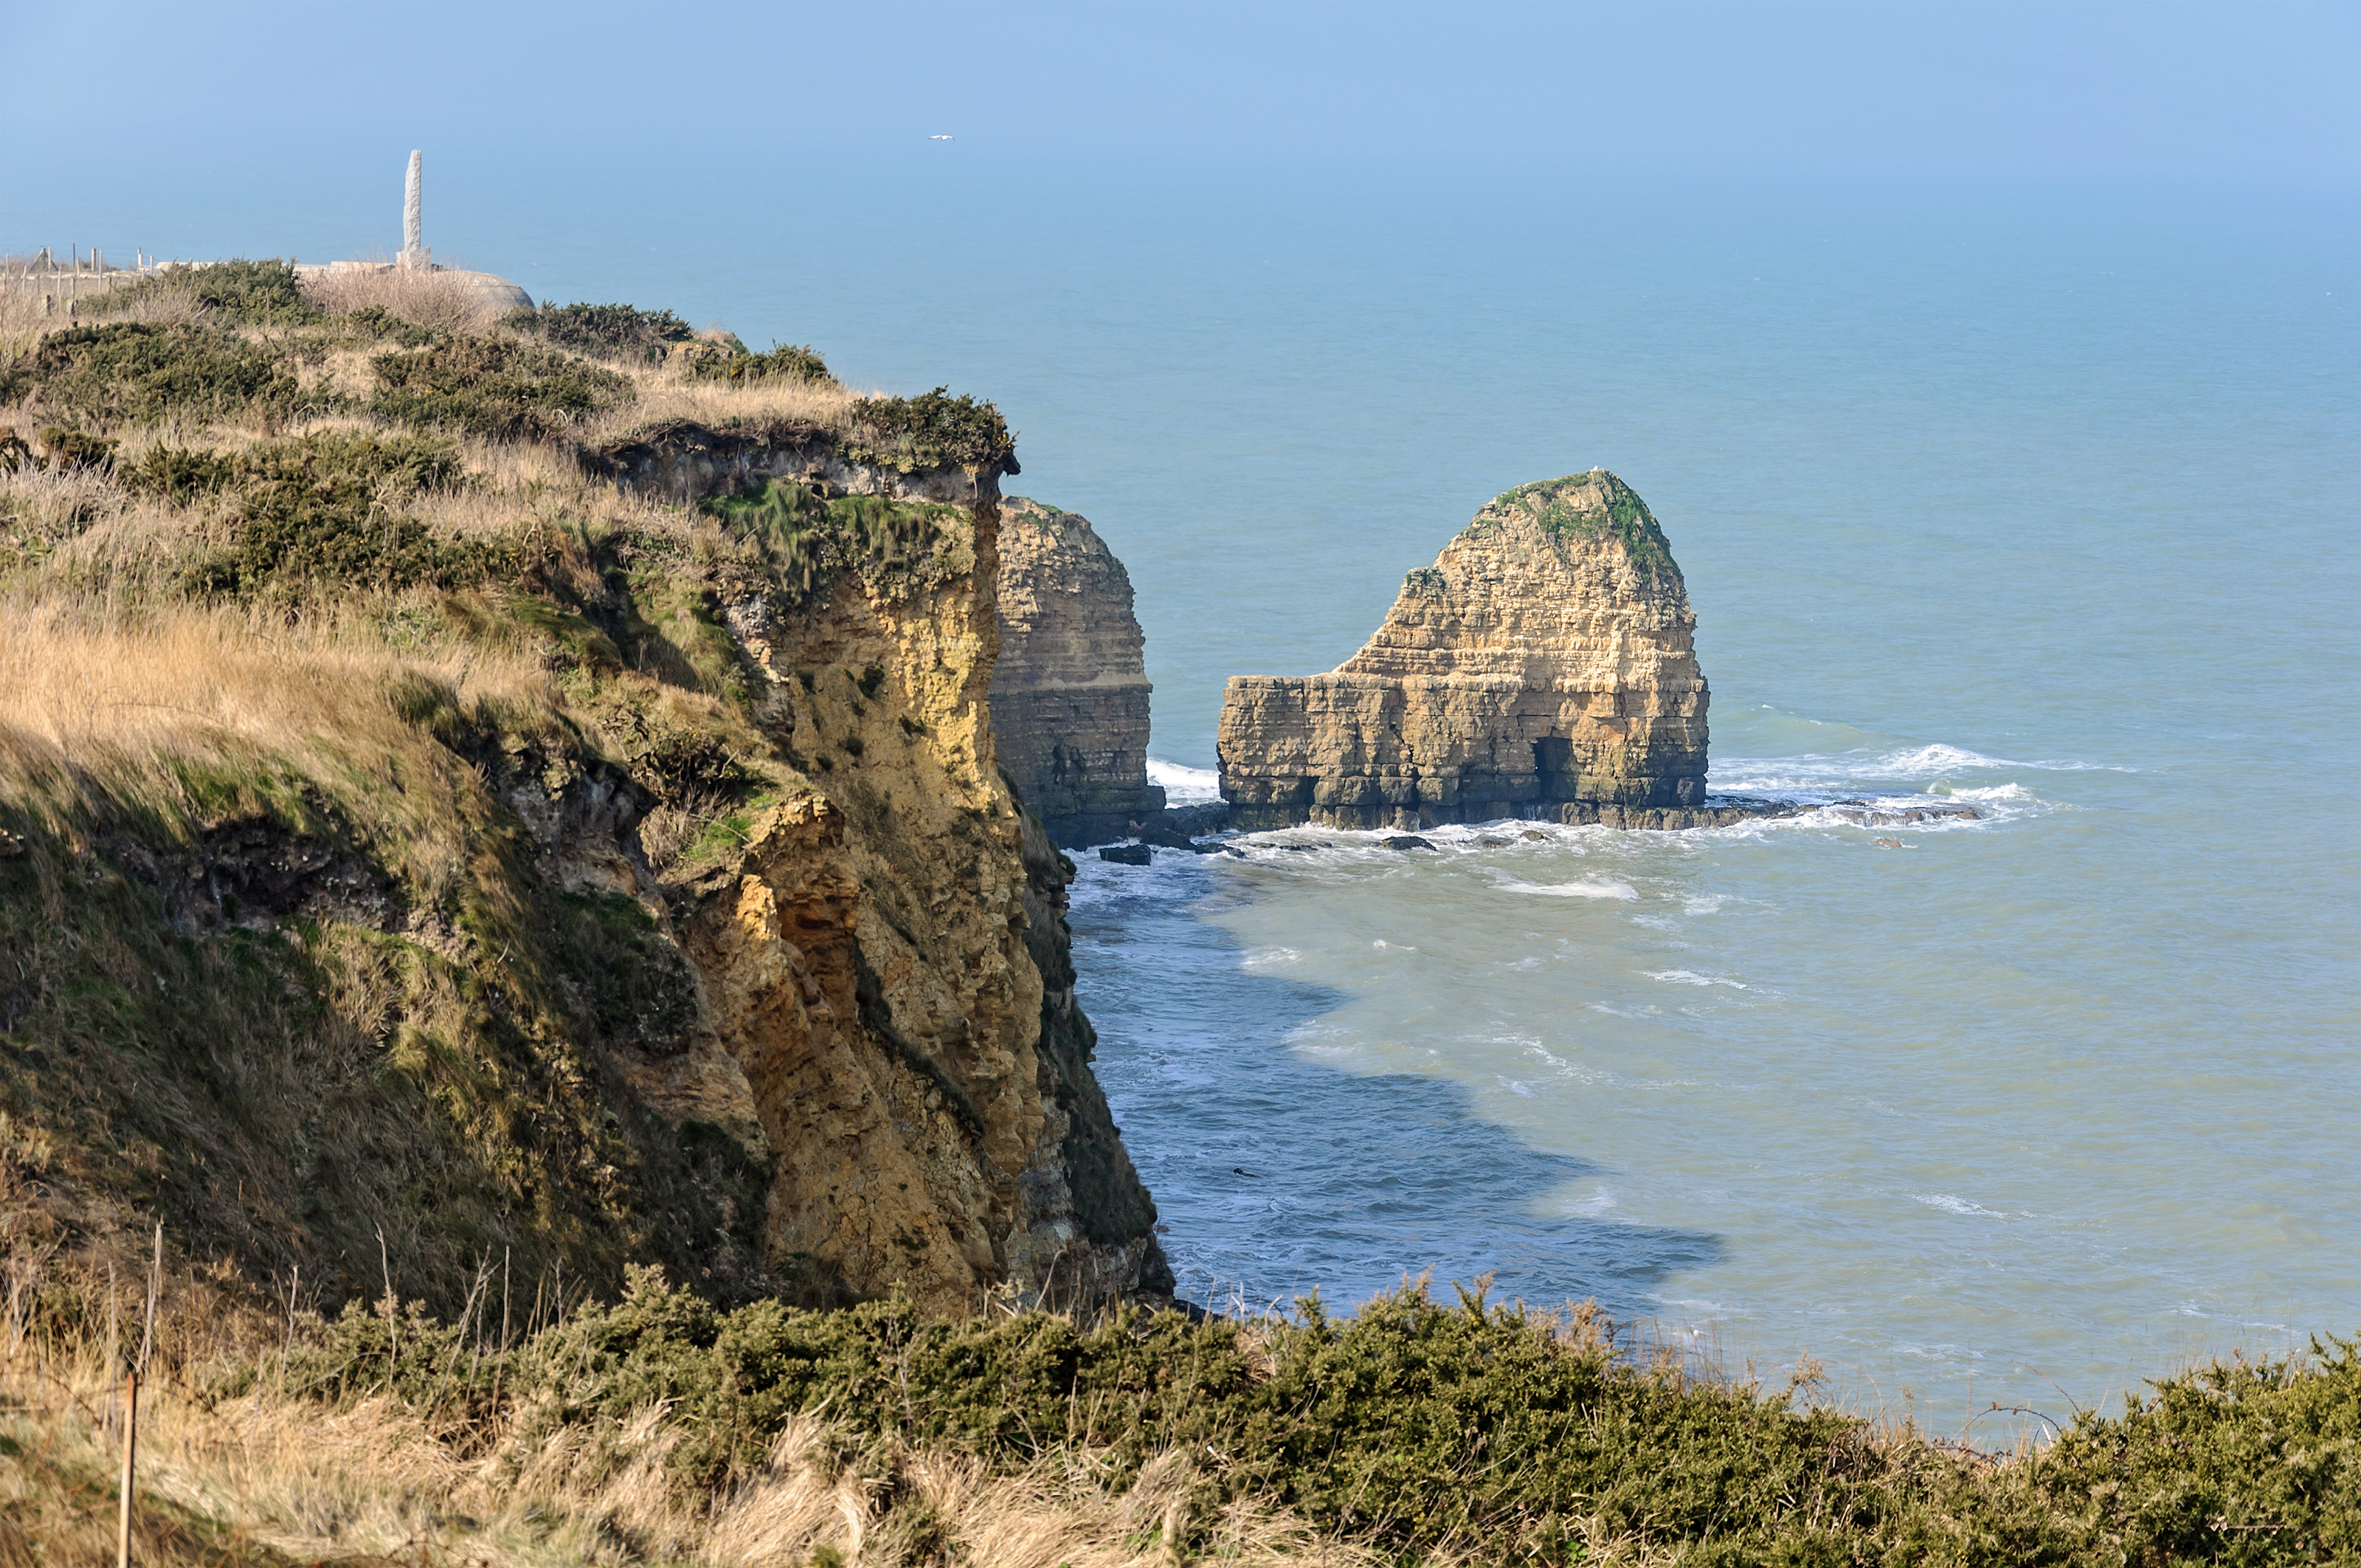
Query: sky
{"points": [[130, 104]]}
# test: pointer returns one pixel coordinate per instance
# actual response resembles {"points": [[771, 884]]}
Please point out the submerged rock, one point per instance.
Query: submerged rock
{"points": [[1129, 854], [1541, 668], [1069, 692]]}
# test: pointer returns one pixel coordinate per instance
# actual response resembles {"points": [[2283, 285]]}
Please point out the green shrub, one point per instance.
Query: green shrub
{"points": [[895, 547], [232, 293], [320, 510], [379, 324], [933, 429], [496, 387], [77, 448], [1425, 1429], [128, 372], [609, 332], [785, 362]]}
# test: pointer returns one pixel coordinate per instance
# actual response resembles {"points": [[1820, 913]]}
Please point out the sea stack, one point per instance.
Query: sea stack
{"points": [[1070, 691], [1541, 668]]}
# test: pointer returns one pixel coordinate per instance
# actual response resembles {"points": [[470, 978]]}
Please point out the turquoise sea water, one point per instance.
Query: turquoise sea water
{"points": [[2044, 499]]}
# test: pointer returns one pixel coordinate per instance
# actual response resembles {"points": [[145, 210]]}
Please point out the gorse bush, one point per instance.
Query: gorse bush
{"points": [[230, 293], [933, 429], [497, 387], [129, 372], [320, 510], [785, 362], [1423, 1429], [609, 332]]}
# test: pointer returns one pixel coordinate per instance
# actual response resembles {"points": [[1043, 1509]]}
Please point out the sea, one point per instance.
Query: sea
{"points": [[2037, 497]]}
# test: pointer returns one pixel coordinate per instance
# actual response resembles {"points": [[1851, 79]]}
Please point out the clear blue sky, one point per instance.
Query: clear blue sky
{"points": [[107, 102]]}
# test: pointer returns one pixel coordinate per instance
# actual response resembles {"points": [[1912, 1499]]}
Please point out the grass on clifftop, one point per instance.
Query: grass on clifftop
{"points": [[1589, 506], [1412, 1432]]}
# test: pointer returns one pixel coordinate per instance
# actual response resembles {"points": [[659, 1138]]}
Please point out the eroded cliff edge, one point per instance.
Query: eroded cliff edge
{"points": [[599, 858], [1070, 695], [885, 965], [1542, 667]]}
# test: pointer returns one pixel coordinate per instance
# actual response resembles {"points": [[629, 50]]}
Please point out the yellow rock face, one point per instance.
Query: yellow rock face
{"points": [[1069, 693], [1542, 667], [876, 1005]]}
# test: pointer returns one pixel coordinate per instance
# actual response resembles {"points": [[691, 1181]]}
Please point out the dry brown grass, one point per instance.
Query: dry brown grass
{"points": [[269, 1476], [665, 393], [97, 700], [435, 300]]}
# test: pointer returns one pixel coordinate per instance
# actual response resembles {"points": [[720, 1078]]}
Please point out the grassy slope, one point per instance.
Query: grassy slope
{"points": [[297, 602]]}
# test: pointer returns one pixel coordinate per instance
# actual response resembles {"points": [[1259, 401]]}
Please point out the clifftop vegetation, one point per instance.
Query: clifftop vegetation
{"points": [[659, 1429], [301, 591]]}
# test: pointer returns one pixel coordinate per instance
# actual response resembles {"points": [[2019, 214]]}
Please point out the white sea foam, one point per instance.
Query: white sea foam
{"points": [[1573, 889], [1996, 793], [1184, 786], [1952, 1205], [1707, 903], [1599, 1201], [1820, 771], [1271, 958], [1691, 977]]}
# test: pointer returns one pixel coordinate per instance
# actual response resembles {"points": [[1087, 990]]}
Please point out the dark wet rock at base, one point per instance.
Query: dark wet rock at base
{"points": [[1127, 854], [1406, 841]]}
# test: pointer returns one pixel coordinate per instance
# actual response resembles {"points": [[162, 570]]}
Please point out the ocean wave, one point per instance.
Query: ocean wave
{"points": [[1690, 977], [1837, 770], [1184, 786], [1952, 1205], [1271, 957], [1571, 889], [1995, 793]]}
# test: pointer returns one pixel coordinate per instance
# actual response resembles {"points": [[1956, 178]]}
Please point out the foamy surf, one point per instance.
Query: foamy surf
{"points": [[1182, 785], [1571, 889], [1815, 772]]}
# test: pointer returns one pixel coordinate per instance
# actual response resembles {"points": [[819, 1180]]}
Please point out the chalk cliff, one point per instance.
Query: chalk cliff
{"points": [[1070, 694], [1541, 668]]}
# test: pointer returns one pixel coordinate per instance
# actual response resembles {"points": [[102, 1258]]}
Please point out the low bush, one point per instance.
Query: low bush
{"points": [[319, 510], [933, 429], [130, 372], [609, 332], [1464, 1431], [497, 387], [229, 294], [785, 362]]}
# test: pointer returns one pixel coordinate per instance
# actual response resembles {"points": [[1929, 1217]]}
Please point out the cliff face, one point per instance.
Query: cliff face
{"points": [[1070, 694], [1541, 668], [874, 960], [627, 878]]}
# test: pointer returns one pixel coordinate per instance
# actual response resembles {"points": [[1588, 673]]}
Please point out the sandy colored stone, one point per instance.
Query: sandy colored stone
{"points": [[872, 967], [1542, 668], [1070, 695]]}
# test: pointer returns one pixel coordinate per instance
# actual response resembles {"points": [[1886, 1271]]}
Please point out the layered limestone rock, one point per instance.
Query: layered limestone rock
{"points": [[889, 1006], [1070, 694], [1541, 668]]}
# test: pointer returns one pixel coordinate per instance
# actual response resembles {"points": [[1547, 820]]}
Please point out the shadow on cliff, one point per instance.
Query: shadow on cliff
{"points": [[1278, 1174]]}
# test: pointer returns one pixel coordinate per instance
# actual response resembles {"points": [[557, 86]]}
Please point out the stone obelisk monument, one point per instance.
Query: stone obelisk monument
{"points": [[413, 241]]}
